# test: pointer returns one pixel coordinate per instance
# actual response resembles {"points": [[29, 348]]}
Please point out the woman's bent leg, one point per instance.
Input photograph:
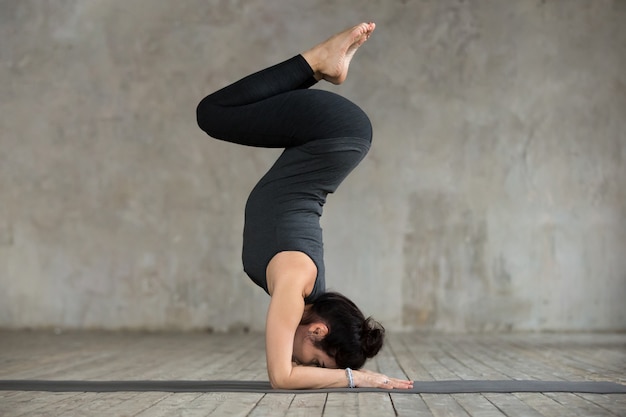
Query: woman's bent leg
{"points": [[292, 74], [252, 110], [279, 118], [272, 107]]}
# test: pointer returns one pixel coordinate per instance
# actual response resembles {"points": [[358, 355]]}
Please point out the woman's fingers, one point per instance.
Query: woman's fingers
{"points": [[397, 383], [403, 384], [376, 380]]}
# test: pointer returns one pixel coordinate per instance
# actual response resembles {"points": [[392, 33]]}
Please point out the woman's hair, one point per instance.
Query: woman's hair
{"points": [[351, 338]]}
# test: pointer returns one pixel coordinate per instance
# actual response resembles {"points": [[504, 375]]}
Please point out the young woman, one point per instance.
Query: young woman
{"points": [[314, 339]]}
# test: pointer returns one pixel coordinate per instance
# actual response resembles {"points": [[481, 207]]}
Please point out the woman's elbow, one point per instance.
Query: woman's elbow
{"points": [[276, 385], [279, 382]]}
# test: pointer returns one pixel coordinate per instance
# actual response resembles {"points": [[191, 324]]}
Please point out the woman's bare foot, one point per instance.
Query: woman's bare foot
{"points": [[330, 59]]}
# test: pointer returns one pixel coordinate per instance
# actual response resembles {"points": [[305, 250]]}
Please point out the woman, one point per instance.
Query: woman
{"points": [[314, 339]]}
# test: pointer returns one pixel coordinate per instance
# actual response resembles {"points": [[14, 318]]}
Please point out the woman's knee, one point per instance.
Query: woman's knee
{"points": [[342, 118], [363, 125], [355, 123], [202, 114], [208, 117]]}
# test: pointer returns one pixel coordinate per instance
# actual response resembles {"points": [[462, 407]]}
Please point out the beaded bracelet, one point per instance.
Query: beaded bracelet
{"points": [[350, 378]]}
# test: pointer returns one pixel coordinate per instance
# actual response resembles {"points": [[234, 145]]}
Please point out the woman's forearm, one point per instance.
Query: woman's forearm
{"points": [[309, 377]]}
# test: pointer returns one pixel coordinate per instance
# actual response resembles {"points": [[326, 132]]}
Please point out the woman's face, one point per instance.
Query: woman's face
{"points": [[305, 352]]}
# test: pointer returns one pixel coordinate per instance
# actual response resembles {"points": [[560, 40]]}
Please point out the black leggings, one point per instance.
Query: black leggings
{"points": [[324, 135], [273, 108]]}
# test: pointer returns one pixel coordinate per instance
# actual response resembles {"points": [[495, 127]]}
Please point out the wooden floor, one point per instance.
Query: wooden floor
{"points": [[195, 356]]}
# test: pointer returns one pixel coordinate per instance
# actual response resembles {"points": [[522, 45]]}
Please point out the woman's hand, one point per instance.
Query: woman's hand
{"points": [[368, 379]]}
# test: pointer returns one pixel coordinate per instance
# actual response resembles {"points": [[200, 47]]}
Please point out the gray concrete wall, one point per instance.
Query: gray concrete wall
{"points": [[494, 197]]}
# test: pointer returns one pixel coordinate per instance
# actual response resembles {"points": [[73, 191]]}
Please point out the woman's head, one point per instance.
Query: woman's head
{"points": [[345, 335]]}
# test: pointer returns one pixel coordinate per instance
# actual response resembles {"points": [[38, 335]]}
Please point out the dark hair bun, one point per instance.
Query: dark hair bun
{"points": [[372, 336], [352, 338]]}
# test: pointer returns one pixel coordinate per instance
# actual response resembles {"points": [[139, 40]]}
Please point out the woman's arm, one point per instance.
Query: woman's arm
{"points": [[291, 277]]}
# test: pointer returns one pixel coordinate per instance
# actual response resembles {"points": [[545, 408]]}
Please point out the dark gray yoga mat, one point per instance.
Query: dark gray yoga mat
{"points": [[431, 387]]}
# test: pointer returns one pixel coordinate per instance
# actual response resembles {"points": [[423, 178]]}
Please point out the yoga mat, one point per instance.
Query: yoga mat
{"points": [[419, 387]]}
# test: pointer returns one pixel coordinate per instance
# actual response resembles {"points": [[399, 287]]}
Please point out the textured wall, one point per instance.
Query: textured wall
{"points": [[494, 196]]}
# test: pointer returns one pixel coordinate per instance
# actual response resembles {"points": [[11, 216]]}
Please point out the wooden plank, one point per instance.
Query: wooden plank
{"points": [[374, 404], [338, 404], [92, 403], [272, 404], [93, 355], [236, 404], [456, 361], [544, 405], [542, 360], [485, 363], [511, 360], [583, 407], [594, 356], [526, 364], [551, 359], [169, 405], [172, 362], [477, 405], [389, 364], [407, 353], [203, 357], [202, 405], [6, 395], [63, 364], [615, 403], [138, 361], [510, 405], [59, 408], [496, 356], [307, 405], [410, 406], [28, 403], [442, 365], [462, 351], [79, 405], [443, 405]]}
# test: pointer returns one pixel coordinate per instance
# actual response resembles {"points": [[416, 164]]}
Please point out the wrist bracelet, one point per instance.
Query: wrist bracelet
{"points": [[350, 378]]}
